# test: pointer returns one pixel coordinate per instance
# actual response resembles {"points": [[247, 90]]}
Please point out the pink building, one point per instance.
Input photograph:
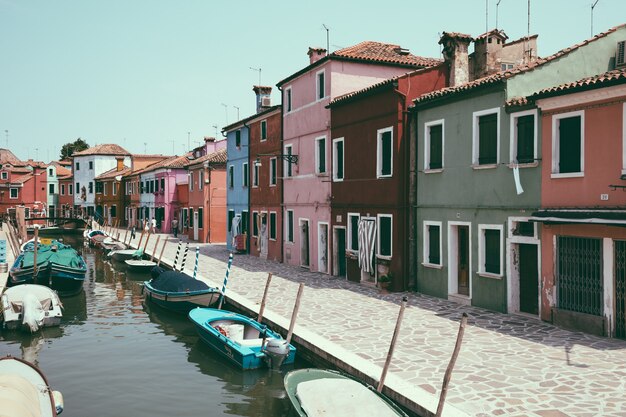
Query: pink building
{"points": [[306, 135]]}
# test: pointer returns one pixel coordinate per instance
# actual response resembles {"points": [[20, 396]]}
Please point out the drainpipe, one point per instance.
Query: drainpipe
{"points": [[282, 180], [249, 188]]}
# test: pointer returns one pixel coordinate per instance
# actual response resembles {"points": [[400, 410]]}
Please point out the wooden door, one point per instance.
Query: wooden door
{"points": [[340, 235], [304, 243], [528, 279], [463, 260]]}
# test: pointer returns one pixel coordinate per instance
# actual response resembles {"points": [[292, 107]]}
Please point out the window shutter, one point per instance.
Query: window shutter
{"points": [[569, 144], [488, 139], [436, 148]]}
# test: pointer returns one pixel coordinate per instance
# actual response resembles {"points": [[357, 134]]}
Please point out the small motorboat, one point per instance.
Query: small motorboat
{"points": [[24, 270], [109, 244], [243, 341], [178, 292], [30, 306], [124, 254], [25, 392], [140, 265], [322, 392]]}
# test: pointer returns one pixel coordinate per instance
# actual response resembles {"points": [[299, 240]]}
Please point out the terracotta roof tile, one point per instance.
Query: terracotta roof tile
{"points": [[617, 76], [219, 157], [385, 53], [170, 162], [517, 101], [6, 156], [21, 179], [112, 173], [62, 171], [104, 149]]}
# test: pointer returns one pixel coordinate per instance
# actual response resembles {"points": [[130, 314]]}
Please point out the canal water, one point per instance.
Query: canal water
{"points": [[113, 356]]}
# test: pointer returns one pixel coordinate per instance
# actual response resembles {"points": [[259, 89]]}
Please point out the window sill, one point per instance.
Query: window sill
{"points": [[528, 165], [383, 257], [485, 166], [337, 179], [433, 266], [381, 177], [489, 275], [433, 171], [567, 175]]}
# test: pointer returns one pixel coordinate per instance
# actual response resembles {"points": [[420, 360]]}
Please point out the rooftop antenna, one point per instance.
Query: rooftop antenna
{"points": [[215, 126], [592, 7], [259, 71], [36, 153], [226, 110], [486, 16], [6, 132], [145, 148], [497, 4], [173, 142], [237, 111], [327, 38], [188, 144]]}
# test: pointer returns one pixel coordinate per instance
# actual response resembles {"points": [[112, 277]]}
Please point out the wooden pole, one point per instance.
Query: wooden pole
{"points": [[156, 245], [145, 245], [448, 374], [161, 254], [125, 236], [267, 287], [295, 313], [35, 240], [140, 239], [392, 346]]}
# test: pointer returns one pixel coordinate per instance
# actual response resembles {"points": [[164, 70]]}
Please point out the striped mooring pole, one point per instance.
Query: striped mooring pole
{"points": [[195, 267], [230, 262], [180, 243], [182, 263]]}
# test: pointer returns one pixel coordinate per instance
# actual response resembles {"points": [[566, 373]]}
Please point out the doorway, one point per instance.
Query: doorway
{"points": [[620, 289], [528, 279], [304, 243], [322, 247], [195, 224], [339, 249], [463, 260]]}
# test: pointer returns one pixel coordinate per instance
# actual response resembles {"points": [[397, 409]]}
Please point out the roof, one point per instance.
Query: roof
{"points": [[493, 32], [104, 149], [112, 173], [581, 215], [247, 119], [372, 52], [171, 162], [21, 179], [6, 156], [617, 76], [62, 171], [219, 157], [504, 75]]}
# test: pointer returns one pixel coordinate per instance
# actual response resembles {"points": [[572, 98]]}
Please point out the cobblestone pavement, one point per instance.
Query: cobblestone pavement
{"points": [[509, 365]]}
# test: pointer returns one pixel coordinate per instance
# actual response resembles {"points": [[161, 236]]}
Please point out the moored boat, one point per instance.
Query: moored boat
{"points": [[24, 270], [140, 265], [124, 254], [241, 340], [30, 306], [25, 392], [322, 392], [178, 292]]}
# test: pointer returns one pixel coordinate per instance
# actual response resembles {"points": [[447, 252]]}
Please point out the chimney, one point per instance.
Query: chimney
{"points": [[315, 54], [209, 144], [263, 99], [120, 162], [455, 54]]}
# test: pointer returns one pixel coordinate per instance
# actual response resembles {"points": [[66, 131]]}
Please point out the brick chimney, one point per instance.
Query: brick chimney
{"points": [[455, 54], [209, 144], [263, 99], [120, 163], [315, 54]]}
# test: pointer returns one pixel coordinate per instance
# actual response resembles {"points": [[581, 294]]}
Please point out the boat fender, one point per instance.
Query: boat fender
{"points": [[222, 330]]}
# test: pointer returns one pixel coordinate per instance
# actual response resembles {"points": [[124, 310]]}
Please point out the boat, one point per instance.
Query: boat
{"points": [[324, 392], [244, 342], [89, 233], [23, 270], [109, 244], [30, 306], [177, 291], [124, 254], [25, 392], [140, 265]]}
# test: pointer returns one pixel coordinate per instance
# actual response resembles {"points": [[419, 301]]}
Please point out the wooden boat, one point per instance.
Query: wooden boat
{"points": [[140, 265], [178, 292], [25, 392], [30, 307], [109, 244], [124, 254], [23, 270], [321, 392], [241, 340]]}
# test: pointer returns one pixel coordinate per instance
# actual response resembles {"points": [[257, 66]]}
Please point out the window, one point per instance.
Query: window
{"points": [[385, 234], [263, 130], [113, 211], [77, 166], [90, 164], [338, 159], [524, 137], [90, 187], [505, 67], [190, 216], [289, 226], [432, 243], [50, 172], [231, 176], [5, 175], [255, 176], [320, 85], [320, 155], [51, 188], [141, 187], [272, 225], [486, 137], [200, 179], [186, 217], [287, 167], [272, 171], [568, 142], [624, 139], [353, 231], [163, 184], [78, 187], [433, 145], [384, 153], [490, 249], [156, 186], [99, 187], [246, 174], [255, 223], [62, 189], [200, 217], [245, 220], [288, 99], [13, 193], [115, 186], [151, 186], [70, 191], [238, 138]]}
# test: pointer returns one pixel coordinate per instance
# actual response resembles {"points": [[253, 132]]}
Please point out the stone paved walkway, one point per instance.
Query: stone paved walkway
{"points": [[509, 365]]}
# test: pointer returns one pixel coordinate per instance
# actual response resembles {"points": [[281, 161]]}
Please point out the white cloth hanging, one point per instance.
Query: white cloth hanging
{"points": [[518, 184], [367, 234]]}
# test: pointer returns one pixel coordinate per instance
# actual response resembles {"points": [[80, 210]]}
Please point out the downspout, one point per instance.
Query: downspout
{"points": [[208, 189], [249, 188], [282, 179]]}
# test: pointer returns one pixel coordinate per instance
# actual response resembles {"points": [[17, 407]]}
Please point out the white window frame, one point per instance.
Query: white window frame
{"points": [[269, 225], [245, 177], [427, 127], [287, 169], [51, 188], [288, 99], [349, 232], [62, 189], [379, 153], [229, 219], [5, 175], [231, 176], [190, 178], [426, 243], [200, 180], [481, 250], [253, 224], [513, 136], [317, 156], [476, 137], [111, 211], [255, 175], [555, 144], [263, 123], [317, 85], [288, 226], [104, 188], [17, 193], [273, 175], [336, 178], [378, 254]]}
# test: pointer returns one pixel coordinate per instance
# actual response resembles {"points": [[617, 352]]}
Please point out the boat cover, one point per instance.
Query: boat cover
{"points": [[341, 397], [56, 253], [18, 397], [174, 281]]}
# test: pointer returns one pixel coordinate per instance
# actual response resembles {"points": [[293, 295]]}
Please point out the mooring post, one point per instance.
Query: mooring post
{"points": [[294, 314], [267, 287], [35, 241], [156, 245], [145, 245], [392, 346], [180, 243], [230, 262], [448, 374], [125, 235], [195, 266], [140, 239], [161, 254], [182, 262]]}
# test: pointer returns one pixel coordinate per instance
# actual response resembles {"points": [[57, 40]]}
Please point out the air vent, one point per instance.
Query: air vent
{"points": [[266, 101], [620, 56]]}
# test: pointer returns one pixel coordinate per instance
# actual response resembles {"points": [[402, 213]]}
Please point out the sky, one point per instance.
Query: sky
{"points": [[156, 76]]}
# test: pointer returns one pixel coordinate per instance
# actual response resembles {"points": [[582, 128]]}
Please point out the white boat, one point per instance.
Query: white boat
{"points": [[25, 392], [140, 265], [30, 306], [122, 255]]}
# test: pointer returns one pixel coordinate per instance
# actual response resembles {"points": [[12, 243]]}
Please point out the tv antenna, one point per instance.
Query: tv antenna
{"points": [[593, 7], [327, 38], [145, 148], [6, 132], [226, 110], [497, 4], [188, 143], [173, 142], [237, 111], [259, 71], [215, 126], [486, 16]]}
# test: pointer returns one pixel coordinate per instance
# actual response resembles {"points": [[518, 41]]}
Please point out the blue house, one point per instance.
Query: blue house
{"points": [[237, 185]]}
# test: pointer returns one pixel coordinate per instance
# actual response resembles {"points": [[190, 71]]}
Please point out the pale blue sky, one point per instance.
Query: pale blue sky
{"points": [[143, 73]]}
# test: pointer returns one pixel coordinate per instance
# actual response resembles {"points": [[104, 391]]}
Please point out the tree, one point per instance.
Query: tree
{"points": [[70, 148]]}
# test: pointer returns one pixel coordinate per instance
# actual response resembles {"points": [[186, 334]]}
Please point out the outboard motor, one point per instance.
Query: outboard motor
{"points": [[276, 351], [32, 312]]}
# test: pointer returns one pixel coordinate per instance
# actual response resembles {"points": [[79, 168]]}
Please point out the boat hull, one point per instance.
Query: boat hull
{"points": [[12, 311], [139, 265], [180, 302], [65, 280], [122, 255]]}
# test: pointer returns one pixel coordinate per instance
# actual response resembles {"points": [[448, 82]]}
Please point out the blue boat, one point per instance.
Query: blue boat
{"points": [[243, 341], [178, 292]]}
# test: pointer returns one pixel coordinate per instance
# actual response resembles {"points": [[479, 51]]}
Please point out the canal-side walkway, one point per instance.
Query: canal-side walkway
{"points": [[508, 365]]}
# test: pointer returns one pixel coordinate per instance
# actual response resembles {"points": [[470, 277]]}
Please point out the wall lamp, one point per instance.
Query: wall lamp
{"points": [[292, 159]]}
